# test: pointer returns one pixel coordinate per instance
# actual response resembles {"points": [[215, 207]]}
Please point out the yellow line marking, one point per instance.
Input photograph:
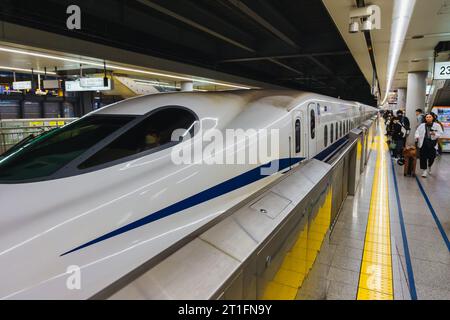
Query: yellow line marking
{"points": [[375, 279]]}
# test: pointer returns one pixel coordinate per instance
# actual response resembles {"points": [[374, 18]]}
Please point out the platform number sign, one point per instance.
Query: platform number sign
{"points": [[442, 71]]}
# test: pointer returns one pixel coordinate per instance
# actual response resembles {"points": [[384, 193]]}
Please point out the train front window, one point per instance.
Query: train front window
{"points": [[151, 135], [46, 154]]}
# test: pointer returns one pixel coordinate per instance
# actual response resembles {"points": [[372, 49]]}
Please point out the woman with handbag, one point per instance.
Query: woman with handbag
{"points": [[427, 135]]}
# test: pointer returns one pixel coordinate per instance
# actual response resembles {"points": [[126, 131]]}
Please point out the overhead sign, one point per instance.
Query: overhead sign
{"points": [[442, 71], [88, 85], [51, 84], [22, 85], [92, 82]]}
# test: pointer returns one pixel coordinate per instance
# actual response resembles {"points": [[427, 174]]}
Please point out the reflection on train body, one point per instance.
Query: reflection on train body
{"points": [[291, 279]]}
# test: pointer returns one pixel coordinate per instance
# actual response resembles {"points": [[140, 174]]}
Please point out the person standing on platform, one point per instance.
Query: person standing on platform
{"points": [[404, 121], [438, 146], [398, 134], [427, 135], [420, 116]]}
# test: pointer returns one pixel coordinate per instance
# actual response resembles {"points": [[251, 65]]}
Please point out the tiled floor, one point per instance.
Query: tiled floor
{"points": [[429, 254]]}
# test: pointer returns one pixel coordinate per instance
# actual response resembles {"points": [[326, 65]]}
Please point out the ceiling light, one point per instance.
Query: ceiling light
{"points": [[367, 25], [26, 70], [353, 27], [116, 67]]}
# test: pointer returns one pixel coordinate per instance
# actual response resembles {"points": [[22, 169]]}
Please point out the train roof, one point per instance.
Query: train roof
{"points": [[285, 99]]}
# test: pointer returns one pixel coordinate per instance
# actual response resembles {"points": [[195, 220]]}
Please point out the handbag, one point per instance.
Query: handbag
{"points": [[392, 145]]}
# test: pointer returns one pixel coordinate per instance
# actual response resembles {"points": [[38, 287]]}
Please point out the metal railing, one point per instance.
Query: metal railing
{"points": [[13, 131]]}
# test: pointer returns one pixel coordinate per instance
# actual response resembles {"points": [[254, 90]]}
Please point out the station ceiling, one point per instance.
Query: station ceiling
{"points": [[287, 43], [429, 26]]}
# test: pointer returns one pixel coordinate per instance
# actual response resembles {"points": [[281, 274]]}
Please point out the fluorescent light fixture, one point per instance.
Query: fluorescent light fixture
{"points": [[25, 70], [401, 17], [156, 84], [430, 35], [149, 82], [116, 67]]}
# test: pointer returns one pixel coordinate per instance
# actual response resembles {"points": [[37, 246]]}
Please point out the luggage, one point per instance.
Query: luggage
{"points": [[409, 154]]}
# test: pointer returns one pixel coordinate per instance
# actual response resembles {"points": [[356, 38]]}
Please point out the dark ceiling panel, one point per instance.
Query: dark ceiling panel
{"points": [[289, 43]]}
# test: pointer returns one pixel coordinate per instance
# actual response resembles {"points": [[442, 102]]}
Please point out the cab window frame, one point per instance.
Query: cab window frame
{"points": [[71, 168], [134, 156]]}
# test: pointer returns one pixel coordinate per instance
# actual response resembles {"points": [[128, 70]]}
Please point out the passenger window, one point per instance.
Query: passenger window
{"points": [[325, 136], [337, 131], [332, 133], [154, 133], [297, 136], [46, 154], [313, 124], [340, 129]]}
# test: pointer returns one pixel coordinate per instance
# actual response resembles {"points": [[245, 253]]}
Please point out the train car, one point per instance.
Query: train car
{"points": [[103, 195]]}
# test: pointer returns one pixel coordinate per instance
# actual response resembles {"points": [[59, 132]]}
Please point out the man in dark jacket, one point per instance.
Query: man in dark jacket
{"points": [[398, 136], [402, 133], [404, 121]]}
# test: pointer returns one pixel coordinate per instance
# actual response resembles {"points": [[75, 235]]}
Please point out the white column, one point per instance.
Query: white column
{"points": [[415, 98], [401, 99], [187, 86]]}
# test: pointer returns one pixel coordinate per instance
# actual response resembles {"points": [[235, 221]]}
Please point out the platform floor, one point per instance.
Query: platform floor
{"points": [[391, 238]]}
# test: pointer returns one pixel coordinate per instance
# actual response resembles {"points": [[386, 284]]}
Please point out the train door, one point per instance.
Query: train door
{"points": [[312, 127], [298, 141]]}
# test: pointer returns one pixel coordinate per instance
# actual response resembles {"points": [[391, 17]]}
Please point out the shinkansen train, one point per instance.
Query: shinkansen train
{"points": [[103, 195]]}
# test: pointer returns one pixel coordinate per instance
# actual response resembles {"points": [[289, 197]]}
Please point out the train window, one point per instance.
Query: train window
{"points": [[152, 134], [340, 129], [297, 136], [337, 131], [332, 133], [313, 124], [48, 153], [325, 136]]}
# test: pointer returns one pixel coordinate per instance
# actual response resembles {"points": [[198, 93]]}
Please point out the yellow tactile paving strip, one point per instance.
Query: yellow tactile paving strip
{"points": [[299, 260], [375, 280]]}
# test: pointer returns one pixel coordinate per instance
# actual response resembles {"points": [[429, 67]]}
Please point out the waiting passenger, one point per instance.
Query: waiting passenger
{"points": [[152, 140], [420, 116], [398, 134], [404, 121], [438, 145], [427, 135]]}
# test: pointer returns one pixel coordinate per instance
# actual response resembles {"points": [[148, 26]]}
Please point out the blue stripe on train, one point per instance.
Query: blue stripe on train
{"points": [[335, 147], [206, 195]]}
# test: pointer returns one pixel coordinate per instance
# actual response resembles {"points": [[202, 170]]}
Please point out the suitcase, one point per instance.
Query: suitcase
{"points": [[410, 156]]}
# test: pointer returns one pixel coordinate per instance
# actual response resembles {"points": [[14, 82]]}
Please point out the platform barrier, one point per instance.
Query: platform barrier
{"points": [[273, 247], [13, 131]]}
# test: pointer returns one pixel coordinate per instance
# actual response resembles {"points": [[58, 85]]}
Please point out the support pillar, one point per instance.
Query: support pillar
{"points": [[415, 98], [401, 99]]}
